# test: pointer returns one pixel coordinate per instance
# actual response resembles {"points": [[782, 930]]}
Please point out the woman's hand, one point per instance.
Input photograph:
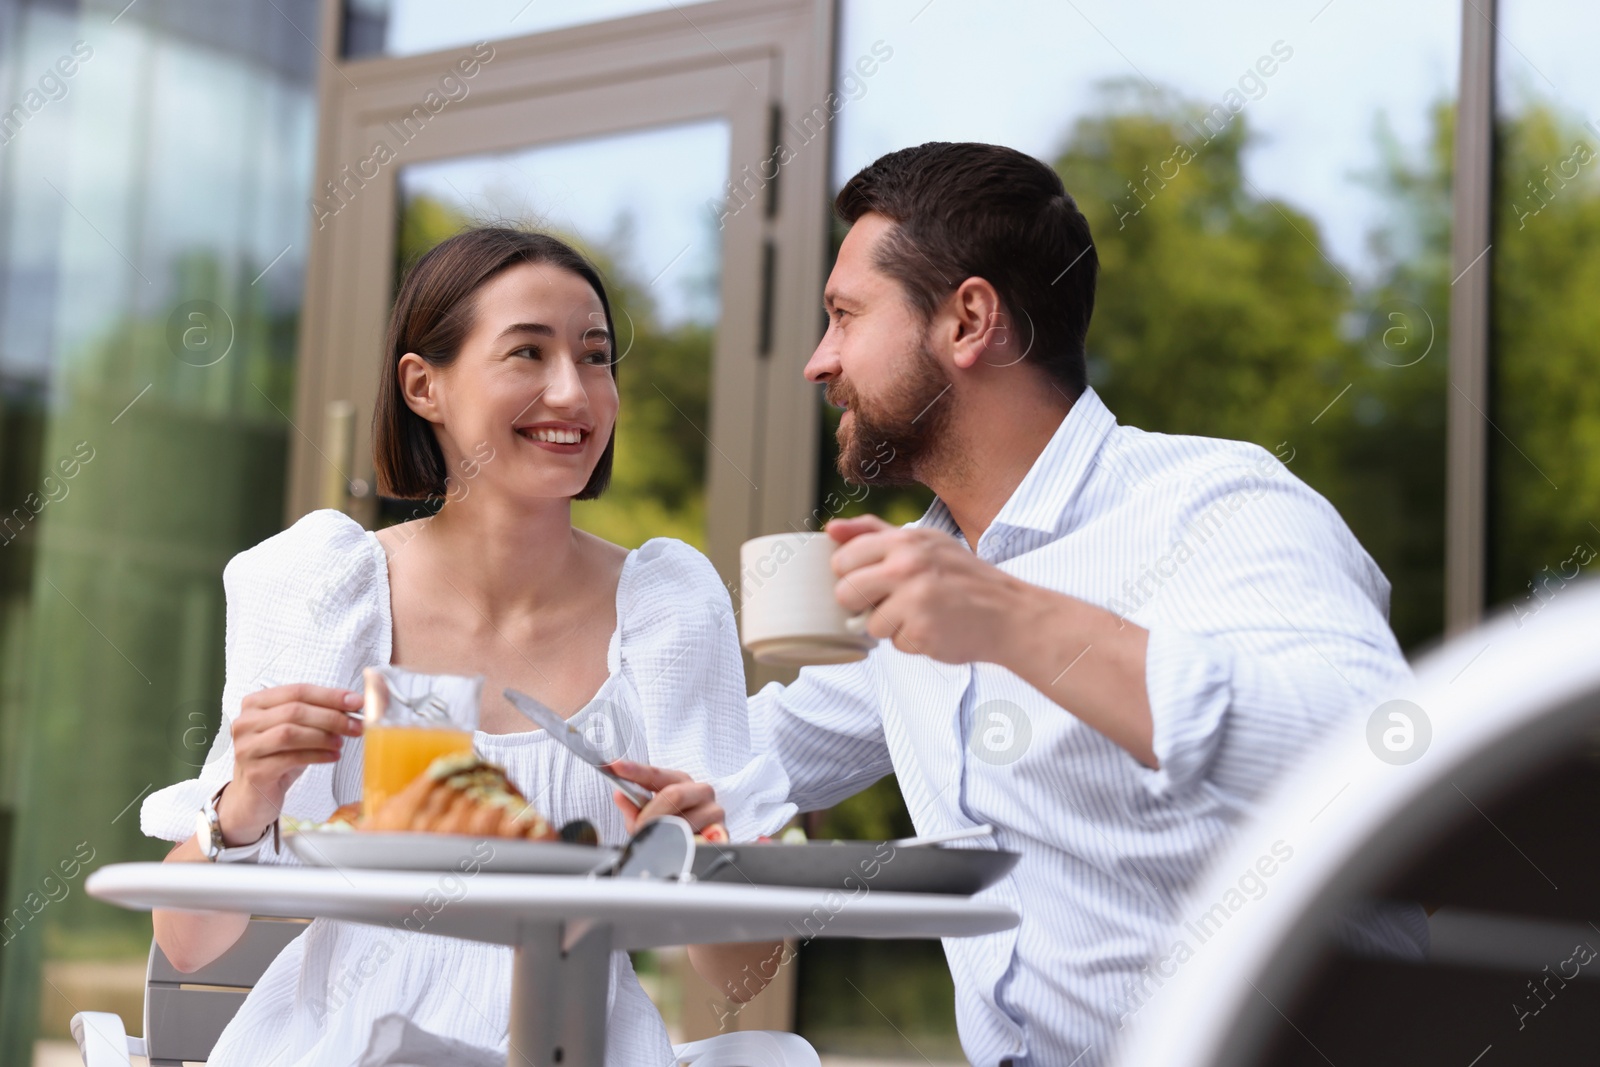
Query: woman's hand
{"points": [[279, 732], [675, 794]]}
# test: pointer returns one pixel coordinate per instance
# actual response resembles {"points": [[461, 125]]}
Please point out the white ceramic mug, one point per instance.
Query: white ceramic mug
{"points": [[788, 614]]}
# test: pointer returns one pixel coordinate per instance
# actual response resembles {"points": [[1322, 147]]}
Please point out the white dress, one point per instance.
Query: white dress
{"points": [[311, 604]]}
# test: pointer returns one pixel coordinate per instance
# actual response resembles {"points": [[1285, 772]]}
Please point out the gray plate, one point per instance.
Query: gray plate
{"points": [[444, 852], [849, 865]]}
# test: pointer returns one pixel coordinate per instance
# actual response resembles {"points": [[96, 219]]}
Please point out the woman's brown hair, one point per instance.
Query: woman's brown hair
{"points": [[433, 313]]}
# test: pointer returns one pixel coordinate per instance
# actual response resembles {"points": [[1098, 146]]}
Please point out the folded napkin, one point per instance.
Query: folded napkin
{"points": [[398, 1042]]}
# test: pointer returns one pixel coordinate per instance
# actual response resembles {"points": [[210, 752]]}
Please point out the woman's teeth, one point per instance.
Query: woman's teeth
{"points": [[559, 437]]}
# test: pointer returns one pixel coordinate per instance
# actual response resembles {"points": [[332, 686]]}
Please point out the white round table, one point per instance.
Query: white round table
{"points": [[562, 928]]}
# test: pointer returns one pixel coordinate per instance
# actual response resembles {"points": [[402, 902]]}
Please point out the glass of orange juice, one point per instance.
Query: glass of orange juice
{"points": [[411, 720]]}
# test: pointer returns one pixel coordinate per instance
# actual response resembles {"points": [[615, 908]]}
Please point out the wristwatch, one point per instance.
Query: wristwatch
{"points": [[208, 835]]}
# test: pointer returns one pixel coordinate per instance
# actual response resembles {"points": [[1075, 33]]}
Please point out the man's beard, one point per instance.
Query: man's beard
{"points": [[893, 437]]}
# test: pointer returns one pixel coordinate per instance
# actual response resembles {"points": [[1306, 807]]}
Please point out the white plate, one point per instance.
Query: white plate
{"points": [[445, 852]]}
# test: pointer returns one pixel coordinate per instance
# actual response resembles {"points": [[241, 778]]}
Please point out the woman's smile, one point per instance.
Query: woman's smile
{"points": [[562, 438]]}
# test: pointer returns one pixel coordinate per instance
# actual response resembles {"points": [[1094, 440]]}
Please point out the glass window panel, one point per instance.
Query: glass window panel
{"points": [[153, 229], [636, 203], [1305, 249], [1545, 444], [1285, 280], [407, 27]]}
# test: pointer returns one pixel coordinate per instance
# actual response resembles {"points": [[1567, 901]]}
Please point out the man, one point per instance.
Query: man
{"points": [[1105, 642]]}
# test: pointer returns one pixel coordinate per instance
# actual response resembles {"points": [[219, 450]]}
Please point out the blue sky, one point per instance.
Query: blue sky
{"points": [[1020, 72]]}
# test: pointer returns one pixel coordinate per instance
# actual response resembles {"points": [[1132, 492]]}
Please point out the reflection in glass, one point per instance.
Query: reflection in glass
{"points": [[152, 235], [636, 203], [1544, 472]]}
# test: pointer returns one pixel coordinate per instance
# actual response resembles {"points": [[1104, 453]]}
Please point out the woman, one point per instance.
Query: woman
{"points": [[499, 393]]}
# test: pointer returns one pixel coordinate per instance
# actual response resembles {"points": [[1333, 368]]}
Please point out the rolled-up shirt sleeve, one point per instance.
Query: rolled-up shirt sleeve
{"points": [[1271, 630]]}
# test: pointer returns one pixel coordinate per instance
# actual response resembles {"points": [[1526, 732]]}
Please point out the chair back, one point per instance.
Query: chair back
{"points": [[1485, 814], [184, 1014]]}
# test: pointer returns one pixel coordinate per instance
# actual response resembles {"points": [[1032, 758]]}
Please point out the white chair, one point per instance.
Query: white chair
{"points": [[184, 1014], [1483, 825]]}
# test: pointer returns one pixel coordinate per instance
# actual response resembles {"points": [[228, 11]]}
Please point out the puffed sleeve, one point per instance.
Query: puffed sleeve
{"points": [[301, 607], [680, 649]]}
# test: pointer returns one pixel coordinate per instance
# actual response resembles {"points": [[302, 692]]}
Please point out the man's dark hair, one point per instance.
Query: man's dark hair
{"points": [[980, 210], [433, 313]]}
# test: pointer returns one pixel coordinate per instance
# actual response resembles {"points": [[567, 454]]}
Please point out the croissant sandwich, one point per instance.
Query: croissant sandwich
{"points": [[457, 794]]}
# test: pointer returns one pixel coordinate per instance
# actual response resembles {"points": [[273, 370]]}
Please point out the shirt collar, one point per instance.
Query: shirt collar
{"points": [[1040, 501]]}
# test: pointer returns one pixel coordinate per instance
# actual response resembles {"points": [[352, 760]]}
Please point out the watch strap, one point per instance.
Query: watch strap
{"points": [[217, 850]]}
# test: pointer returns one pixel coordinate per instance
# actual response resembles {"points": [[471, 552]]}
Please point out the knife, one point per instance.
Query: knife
{"points": [[569, 735]]}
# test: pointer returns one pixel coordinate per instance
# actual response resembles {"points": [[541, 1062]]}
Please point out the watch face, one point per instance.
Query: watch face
{"points": [[202, 833]]}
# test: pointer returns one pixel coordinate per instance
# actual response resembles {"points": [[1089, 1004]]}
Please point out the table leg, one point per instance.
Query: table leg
{"points": [[558, 998]]}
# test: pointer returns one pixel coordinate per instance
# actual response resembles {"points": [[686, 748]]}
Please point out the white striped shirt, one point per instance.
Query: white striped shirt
{"points": [[1268, 624]]}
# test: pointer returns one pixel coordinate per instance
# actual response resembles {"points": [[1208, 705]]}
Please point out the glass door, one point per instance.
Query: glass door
{"points": [[650, 142]]}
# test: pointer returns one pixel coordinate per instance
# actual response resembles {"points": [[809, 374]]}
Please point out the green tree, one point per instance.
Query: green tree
{"points": [[1220, 312], [1391, 486], [1545, 488]]}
